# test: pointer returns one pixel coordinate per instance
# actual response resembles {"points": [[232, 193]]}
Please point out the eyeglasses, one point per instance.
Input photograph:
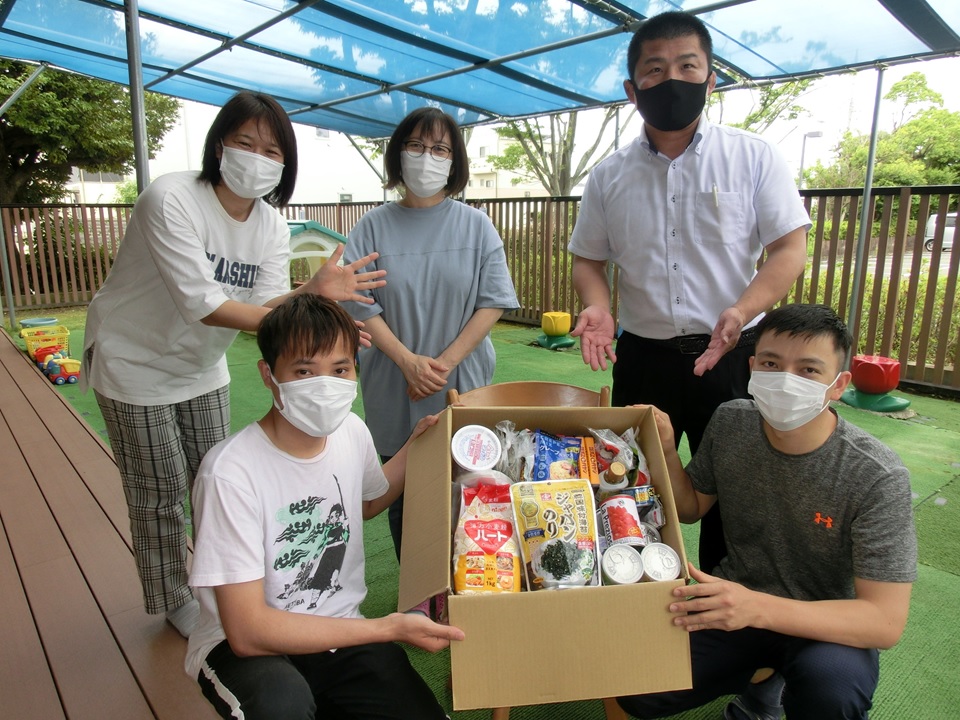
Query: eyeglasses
{"points": [[416, 148]]}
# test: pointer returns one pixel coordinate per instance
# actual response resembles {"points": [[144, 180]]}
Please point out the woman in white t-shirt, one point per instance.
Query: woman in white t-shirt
{"points": [[204, 256]]}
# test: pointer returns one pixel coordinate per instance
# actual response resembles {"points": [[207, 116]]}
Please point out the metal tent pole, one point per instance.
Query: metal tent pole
{"points": [[141, 153], [4, 260], [866, 220]]}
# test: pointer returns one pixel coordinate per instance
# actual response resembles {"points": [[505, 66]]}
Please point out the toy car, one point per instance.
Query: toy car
{"points": [[63, 370]]}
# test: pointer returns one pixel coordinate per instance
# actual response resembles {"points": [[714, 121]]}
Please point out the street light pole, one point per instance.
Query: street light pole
{"points": [[803, 151]]}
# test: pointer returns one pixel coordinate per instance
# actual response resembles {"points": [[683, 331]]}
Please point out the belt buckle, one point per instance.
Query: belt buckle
{"points": [[690, 345]]}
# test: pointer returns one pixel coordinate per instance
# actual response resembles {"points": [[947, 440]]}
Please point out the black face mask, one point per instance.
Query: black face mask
{"points": [[672, 104]]}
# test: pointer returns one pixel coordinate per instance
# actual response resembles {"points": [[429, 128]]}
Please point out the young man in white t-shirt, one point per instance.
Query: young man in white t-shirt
{"points": [[279, 560]]}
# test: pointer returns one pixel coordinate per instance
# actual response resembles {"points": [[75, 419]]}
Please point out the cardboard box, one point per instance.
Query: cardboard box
{"points": [[547, 646]]}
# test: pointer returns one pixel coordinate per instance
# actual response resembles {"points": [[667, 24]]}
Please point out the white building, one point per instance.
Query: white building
{"points": [[331, 168]]}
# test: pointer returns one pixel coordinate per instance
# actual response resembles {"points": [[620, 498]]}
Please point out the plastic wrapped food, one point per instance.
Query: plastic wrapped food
{"points": [[610, 448], [486, 554], [556, 523]]}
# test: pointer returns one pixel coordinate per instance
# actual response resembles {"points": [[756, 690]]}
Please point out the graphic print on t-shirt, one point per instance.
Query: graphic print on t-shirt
{"points": [[238, 278], [312, 545]]}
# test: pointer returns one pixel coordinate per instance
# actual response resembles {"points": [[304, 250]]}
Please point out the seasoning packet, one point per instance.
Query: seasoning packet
{"points": [[557, 526]]}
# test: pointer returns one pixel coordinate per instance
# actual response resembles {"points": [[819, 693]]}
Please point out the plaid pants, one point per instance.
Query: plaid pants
{"points": [[158, 450]]}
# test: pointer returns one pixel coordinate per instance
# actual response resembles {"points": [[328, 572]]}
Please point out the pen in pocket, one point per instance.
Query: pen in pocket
{"points": [[716, 196]]}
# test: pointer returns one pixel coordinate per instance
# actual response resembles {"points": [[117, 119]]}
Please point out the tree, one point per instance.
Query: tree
{"points": [[922, 149], [127, 192], [543, 148], [771, 103], [64, 121], [910, 92]]}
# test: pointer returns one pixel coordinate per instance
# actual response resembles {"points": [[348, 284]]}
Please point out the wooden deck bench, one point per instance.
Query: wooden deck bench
{"points": [[75, 640]]}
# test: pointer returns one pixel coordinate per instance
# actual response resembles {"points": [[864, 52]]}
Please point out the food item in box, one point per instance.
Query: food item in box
{"points": [[475, 447], [653, 513], [660, 562], [553, 459], [486, 553], [651, 532], [556, 523], [621, 523], [559, 457], [641, 472], [621, 565], [588, 460], [610, 448]]}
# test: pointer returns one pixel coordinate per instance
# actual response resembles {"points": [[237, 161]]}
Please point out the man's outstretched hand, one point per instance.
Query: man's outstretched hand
{"points": [[596, 330], [723, 339]]}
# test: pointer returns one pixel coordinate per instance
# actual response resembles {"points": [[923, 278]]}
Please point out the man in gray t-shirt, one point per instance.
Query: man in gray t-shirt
{"points": [[819, 530]]}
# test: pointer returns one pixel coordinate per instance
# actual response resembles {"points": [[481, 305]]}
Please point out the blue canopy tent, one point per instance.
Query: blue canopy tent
{"points": [[360, 67]]}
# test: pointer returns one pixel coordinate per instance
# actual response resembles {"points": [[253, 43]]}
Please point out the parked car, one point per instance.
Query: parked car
{"points": [[929, 234]]}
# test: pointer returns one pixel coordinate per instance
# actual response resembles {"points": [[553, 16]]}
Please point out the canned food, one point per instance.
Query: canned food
{"points": [[621, 565], [650, 532], [660, 562], [654, 513], [643, 495], [475, 447], [621, 523]]}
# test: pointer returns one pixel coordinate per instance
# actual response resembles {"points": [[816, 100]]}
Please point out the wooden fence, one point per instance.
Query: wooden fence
{"points": [[907, 305]]}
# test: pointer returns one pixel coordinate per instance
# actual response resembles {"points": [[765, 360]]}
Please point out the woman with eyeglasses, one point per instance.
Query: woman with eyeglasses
{"points": [[449, 284]]}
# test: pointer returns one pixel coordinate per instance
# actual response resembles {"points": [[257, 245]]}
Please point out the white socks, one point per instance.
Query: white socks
{"points": [[185, 617]]}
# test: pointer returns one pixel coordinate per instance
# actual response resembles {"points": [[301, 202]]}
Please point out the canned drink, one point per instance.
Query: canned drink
{"points": [[660, 562], [621, 565], [621, 523]]}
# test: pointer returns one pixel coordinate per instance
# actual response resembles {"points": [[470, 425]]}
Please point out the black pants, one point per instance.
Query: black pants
{"points": [[824, 681], [646, 373], [395, 516], [365, 681]]}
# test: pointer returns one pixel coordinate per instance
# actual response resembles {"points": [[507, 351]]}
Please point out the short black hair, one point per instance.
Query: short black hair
{"points": [[667, 26], [305, 324], [431, 121], [808, 321], [245, 106]]}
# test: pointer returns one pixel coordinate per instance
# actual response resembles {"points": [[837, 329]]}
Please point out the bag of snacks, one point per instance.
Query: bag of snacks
{"points": [[557, 527], [486, 554]]}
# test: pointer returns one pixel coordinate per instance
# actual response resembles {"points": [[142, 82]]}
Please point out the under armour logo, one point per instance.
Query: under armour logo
{"points": [[827, 521]]}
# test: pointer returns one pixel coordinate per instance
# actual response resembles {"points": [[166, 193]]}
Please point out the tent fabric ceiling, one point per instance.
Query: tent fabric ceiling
{"points": [[360, 67]]}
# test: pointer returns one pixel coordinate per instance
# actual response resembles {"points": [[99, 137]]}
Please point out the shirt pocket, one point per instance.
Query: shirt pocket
{"points": [[718, 219]]}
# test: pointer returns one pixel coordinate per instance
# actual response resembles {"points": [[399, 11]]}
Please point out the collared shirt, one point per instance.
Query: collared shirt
{"points": [[686, 233]]}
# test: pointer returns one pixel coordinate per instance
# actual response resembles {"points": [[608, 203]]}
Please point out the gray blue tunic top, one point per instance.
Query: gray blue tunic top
{"points": [[443, 263]]}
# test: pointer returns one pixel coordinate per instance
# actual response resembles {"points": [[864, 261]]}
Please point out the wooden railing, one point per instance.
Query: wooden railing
{"points": [[907, 304]]}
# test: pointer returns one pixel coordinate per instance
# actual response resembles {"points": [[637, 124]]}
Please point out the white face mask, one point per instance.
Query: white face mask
{"points": [[249, 175], [316, 405], [788, 401], [424, 176]]}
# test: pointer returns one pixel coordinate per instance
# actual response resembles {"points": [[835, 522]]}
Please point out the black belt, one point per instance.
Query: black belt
{"points": [[696, 344]]}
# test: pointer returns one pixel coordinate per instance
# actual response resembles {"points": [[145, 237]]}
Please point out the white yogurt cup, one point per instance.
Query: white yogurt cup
{"points": [[475, 447]]}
